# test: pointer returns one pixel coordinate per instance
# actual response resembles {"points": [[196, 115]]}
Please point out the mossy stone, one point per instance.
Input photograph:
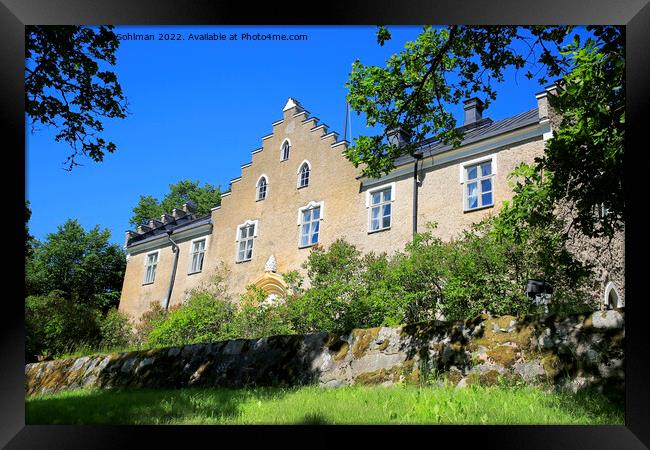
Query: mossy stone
{"points": [[374, 377], [362, 340], [492, 339], [503, 354], [454, 376], [384, 345], [504, 321], [489, 378], [343, 351], [552, 365]]}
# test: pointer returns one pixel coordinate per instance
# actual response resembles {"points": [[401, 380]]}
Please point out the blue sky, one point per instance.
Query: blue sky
{"points": [[198, 108]]}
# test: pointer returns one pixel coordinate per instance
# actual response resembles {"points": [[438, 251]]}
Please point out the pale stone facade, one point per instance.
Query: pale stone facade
{"points": [[342, 196]]}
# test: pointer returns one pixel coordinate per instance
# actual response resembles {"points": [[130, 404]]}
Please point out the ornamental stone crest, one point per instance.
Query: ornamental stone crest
{"points": [[270, 265]]}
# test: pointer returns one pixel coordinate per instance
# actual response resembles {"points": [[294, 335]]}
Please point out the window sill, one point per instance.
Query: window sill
{"points": [[307, 246], [193, 273], [302, 187], [378, 231], [147, 284], [260, 199], [243, 261], [478, 209]]}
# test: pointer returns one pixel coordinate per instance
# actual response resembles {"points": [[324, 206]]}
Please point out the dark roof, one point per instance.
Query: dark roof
{"points": [[180, 224], [430, 147]]}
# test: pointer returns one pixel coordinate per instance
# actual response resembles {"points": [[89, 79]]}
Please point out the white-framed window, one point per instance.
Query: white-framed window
{"points": [[262, 187], [477, 176], [246, 234], [285, 149], [303, 174], [309, 218], [197, 253], [379, 201], [150, 264]]}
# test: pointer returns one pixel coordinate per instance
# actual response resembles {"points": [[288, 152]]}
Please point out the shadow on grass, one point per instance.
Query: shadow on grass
{"points": [[590, 403], [314, 419], [144, 406]]}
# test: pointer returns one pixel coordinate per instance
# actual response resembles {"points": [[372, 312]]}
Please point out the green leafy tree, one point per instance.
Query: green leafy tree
{"points": [[584, 159], [115, 330], [55, 324], [205, 197], [82, 264], [445, 65], [441, 67], [68, 86], [30, 241]]}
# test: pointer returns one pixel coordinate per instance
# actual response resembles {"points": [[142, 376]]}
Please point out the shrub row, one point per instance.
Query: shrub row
{"points": [[483, 271]]}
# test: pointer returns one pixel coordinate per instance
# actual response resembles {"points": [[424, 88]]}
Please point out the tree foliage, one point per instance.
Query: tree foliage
{"points": [[584, 159], [205, 197], [442, 66], [68, 85], [203, 318], [55, 324], [115, 330], [81, 264], [29, 239]]}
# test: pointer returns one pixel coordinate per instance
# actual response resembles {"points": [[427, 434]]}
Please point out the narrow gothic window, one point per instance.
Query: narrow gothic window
{"points": [[285, 151], [303, 175], [198, 251], [261, 189]]}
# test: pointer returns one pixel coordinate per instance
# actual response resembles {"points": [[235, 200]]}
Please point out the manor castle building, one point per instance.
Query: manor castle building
{"points": [[299, 190]]}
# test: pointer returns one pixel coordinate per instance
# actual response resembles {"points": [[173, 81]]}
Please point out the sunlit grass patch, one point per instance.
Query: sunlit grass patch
{"points": [[314, 405]]}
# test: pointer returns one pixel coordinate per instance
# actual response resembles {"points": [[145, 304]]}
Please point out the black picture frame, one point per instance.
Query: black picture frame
{"points": [[634, 14]]}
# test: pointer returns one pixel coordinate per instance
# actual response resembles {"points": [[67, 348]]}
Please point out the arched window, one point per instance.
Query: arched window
{"points": [[261, 188], [612, 297], [303, 175], [286, 147]]}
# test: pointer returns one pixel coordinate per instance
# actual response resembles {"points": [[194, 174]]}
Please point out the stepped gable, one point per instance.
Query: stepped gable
{"points": [[295, 108]]}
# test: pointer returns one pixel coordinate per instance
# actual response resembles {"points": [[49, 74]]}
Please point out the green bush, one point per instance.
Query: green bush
{"points": [[203, 318], [410, 287], [334, 275], [115, 330], [149, 320], [484, 270], [56, 325], [255, 318]]}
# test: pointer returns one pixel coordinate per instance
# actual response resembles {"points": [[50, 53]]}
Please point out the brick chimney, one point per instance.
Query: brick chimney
{"points": [[543, 106], [398, 137], [473, 111]]}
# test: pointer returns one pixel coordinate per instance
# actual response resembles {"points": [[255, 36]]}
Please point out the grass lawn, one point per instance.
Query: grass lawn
{"points": [[314, 405]]}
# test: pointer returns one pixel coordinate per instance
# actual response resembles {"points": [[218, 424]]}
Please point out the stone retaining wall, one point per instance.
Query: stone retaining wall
{"points": [[574, 351]]}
